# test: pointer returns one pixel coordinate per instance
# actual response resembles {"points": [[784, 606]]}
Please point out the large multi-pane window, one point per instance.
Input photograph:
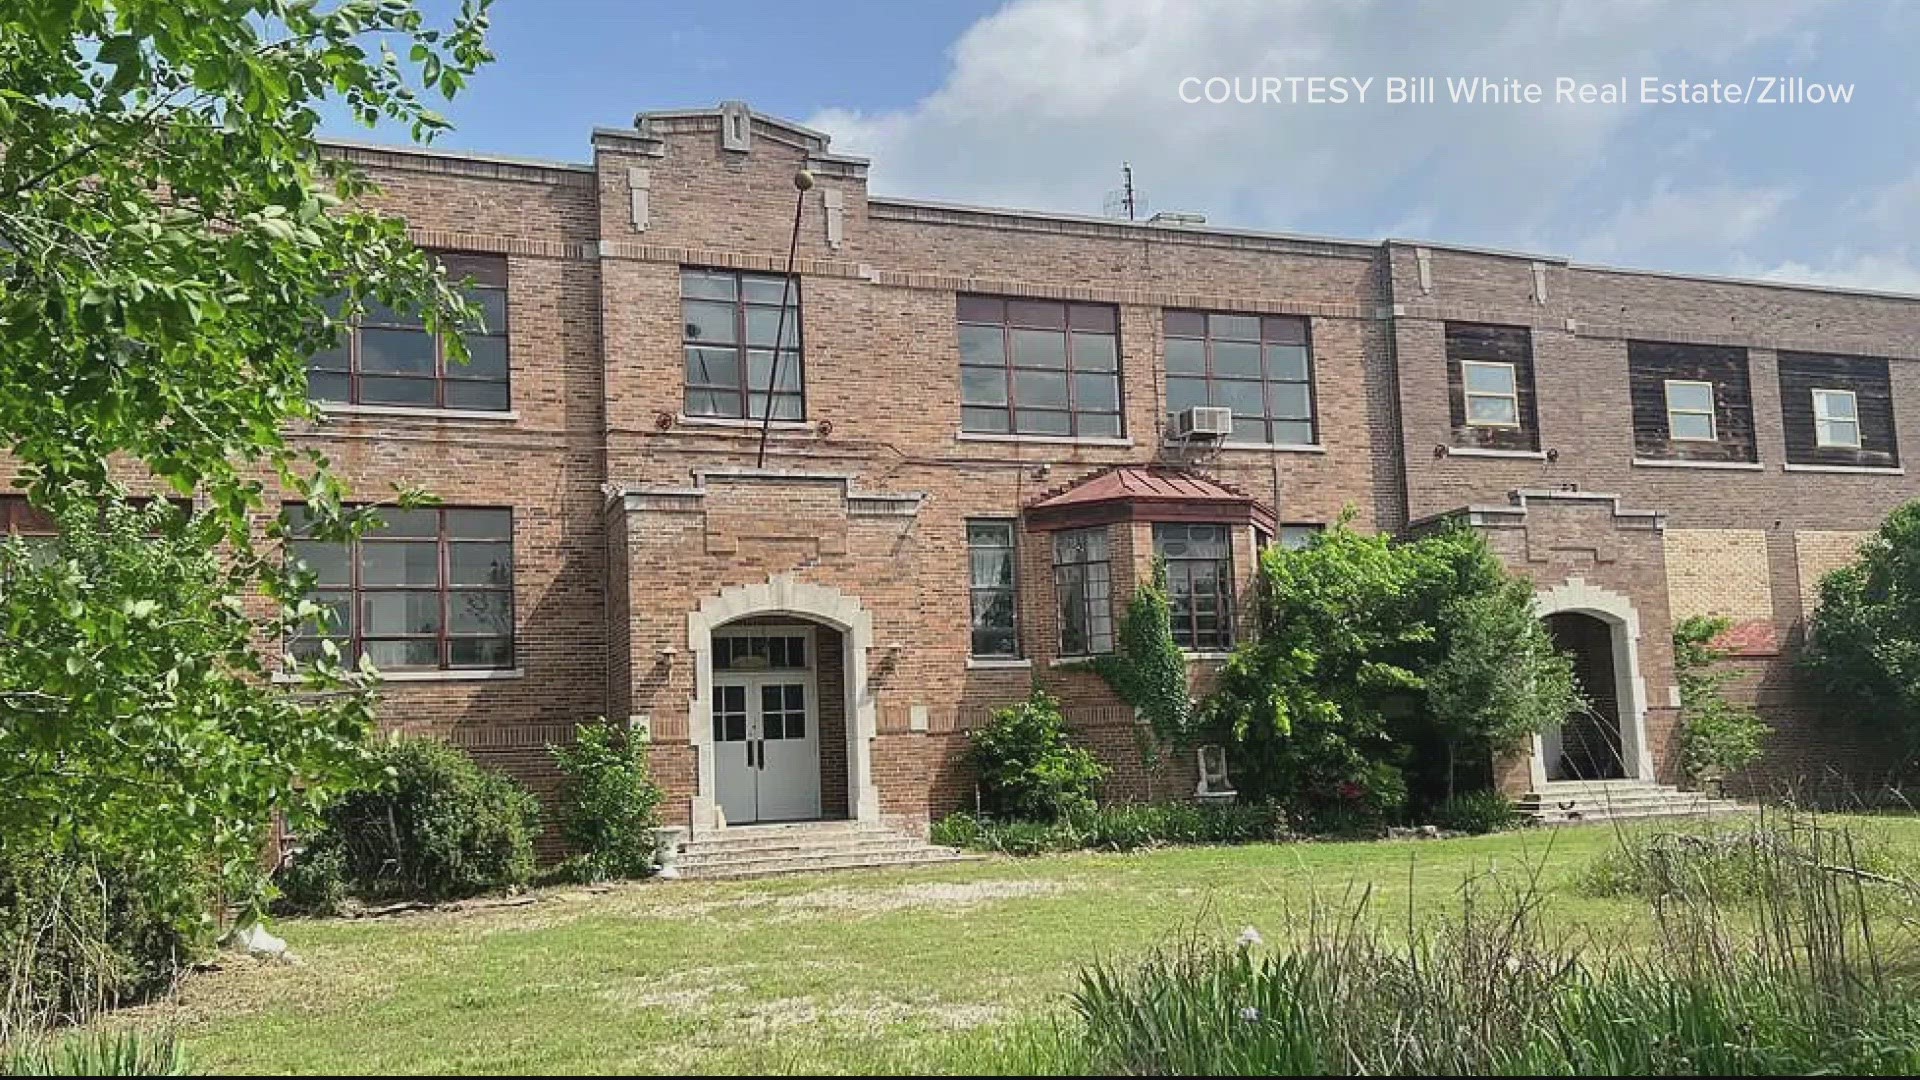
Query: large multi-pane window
{"points": [[991, 576], [1199, 561], [732, 322], [1083, 587], [391, 358], [1258, 366], [1039, 367], [431, 589]]}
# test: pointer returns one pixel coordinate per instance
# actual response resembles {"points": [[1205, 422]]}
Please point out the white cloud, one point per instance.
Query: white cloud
{"points": [[1045, 98], [1718, 223]]}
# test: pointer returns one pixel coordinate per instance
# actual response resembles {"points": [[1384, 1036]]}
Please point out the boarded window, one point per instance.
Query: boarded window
{"points": [[1690, 402], [1490, 378], [1837, 410]]}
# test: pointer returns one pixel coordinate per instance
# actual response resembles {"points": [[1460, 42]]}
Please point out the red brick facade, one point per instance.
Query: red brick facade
{"points": [[636, 527]]}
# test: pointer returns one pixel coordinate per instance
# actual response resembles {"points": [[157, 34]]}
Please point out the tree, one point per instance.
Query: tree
{"points": [[1863, 641], [173, 245]]}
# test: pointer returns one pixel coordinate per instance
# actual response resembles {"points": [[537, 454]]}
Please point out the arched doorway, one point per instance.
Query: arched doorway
{"points": [[1587, 745], [1601, 629], [810, 690]]}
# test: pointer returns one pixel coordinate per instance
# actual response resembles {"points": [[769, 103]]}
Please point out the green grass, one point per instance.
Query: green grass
{"points": [[923, 970]]}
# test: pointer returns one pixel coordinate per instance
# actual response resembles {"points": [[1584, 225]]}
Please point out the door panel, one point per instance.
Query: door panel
{"points": [[789, 780], [733, 754]]}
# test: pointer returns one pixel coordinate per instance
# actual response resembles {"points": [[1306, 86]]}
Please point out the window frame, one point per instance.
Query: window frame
{"points": [[1712, 412], [1512, 395], [354, 641], [1083, 570], [1011, 589], [1009, 369], [1184, 567], [1823, 422], [743, 350], [1266, 380], [445, 371]]}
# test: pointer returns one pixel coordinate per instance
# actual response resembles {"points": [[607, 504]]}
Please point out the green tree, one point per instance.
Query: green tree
{"points": [[1717, 737], [173, 245], [1863, 642]]}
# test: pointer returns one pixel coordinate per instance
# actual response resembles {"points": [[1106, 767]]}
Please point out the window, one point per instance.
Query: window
{"points": [[35, 528], [1083, 586], [990, 566], [1836, 418], [1039, 367], [391, 359], [1493, 393], [731, 321], [1258, 366], [1199, 583], [760, 652], [433, 589], [1690, 414], [1295, 537]]}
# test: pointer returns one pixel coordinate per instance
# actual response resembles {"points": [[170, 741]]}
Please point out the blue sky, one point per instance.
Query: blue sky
{"points": [[1034, 103]]}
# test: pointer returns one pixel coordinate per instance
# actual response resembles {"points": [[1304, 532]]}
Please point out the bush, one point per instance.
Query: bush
{"points": [[1863, 640], [1478, 812], [314, 880], [440, 828], [1124, 827], [609, 804], [1027, 768], [79, 934]]}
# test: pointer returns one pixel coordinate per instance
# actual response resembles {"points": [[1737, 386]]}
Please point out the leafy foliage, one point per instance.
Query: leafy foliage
{"points": [[1717, 737], [1148, 670], [609, 804], [1863, 642], [1027, 768], [439, 827], [139, 727], [1365, 646], [1477, 812], [1122, 827]]}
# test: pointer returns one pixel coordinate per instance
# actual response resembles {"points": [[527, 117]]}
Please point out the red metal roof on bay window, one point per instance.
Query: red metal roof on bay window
{"points": [[1145, 493]]}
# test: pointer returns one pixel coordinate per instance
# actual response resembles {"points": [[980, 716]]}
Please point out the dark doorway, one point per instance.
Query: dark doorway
{"points": [[1587, 745]]}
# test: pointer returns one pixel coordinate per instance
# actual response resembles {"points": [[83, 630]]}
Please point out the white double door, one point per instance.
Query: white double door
{"points": [[766, 747]]}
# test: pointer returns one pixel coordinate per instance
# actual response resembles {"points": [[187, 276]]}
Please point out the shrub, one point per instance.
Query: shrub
{"points": [[1027, 768], [78, 934], [1863, 641], [314, 880], [440, 828], [1124, 827], [960, 830], [1717, 737], [1478, 812], [609, 804]]}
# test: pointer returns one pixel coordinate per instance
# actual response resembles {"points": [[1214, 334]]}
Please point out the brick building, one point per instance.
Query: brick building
{"points": [[971, 458]]}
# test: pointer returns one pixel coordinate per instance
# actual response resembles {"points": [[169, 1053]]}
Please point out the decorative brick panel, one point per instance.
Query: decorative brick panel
{"points": [[1724, 573]]}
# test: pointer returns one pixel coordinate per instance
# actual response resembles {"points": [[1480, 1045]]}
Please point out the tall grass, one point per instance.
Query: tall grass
{"points": [[1803, 970], [95, 1053]]}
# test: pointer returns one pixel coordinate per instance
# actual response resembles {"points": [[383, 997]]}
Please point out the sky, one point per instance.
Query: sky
{"points": [[1035, 103]]}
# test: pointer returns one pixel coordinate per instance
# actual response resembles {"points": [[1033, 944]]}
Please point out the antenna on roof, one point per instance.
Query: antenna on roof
{"points": [[1126, 201]]}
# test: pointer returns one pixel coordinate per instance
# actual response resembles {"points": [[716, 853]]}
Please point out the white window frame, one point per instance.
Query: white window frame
{"points": [[1513, 394], [1823, 422], [1712, 412]]}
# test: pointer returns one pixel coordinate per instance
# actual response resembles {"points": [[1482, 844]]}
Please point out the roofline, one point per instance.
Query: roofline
{"points": [[1090, 219], [455, 155], [776, 121], [1764, 283]]}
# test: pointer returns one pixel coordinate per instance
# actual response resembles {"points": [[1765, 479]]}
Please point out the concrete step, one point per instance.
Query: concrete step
{"points": [[743, 840], [879, 846], [770, 866], [1568, 802]]}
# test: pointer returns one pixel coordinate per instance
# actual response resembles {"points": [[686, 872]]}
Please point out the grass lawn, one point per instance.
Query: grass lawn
{"points": [[915, 970]]}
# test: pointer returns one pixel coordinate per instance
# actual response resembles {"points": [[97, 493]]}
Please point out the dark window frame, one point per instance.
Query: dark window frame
{"points": [[1080, 572], [1181, 591], [742, 349], [1011, 409], [1466, 343], [1268, 340], [481, 274], [356, 591], [1011, 590]]}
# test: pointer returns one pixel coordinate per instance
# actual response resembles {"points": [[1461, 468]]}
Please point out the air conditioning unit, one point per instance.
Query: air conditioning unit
{"points": [[1204, 423]]}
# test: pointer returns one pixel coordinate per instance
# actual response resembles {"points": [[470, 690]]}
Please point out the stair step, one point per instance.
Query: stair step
{"points": [[769, 867], [800, 851]]}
